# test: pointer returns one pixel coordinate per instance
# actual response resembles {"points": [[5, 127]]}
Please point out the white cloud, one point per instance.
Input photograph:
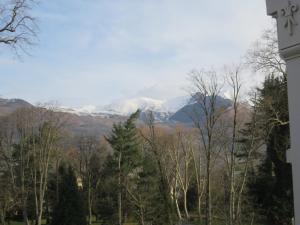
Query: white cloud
{"points": [[97, 51]]}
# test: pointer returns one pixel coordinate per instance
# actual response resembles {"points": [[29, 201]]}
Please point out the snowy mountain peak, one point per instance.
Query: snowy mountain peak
{"points": [[128, 106], [88, 109], [125, 107]]}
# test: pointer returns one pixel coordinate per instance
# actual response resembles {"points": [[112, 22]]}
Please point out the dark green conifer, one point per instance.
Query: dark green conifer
{"points": [[126, 157], [69, 209], [271, 185]]}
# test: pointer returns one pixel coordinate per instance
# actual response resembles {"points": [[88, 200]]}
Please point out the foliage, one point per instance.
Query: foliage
{"points": [[69, 209], [272, 187], [124, 140]]}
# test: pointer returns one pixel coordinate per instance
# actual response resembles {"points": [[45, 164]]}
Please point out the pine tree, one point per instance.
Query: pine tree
{"points": [[148, 191], [126, 145], [106, 203], [272, 184], [69, 209]]}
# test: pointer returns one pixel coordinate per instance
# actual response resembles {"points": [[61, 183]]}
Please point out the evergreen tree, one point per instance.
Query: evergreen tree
{"points": [[272, 185], [106, 204], [126, 157], [148, 191], [69, 209]]}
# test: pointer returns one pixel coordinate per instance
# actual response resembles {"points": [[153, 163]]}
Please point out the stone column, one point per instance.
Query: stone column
{"points": [[287, 14]]}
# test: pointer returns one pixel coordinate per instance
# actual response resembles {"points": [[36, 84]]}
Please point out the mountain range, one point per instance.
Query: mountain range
{"points": [[99, 120], [125, 107]]}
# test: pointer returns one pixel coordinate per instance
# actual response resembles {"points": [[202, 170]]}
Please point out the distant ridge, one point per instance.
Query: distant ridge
{"points": [[8, 106], [189, 111], [90, 121]]}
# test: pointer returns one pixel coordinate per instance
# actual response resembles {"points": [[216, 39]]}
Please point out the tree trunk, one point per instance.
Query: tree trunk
{"points": [[3, 215], [120, 191], [185, 204], [236, 89], [89, 203], [198, 180], [232, 192], [141, 210], [178, 209], [208, 193], [240, 193], [90, 214], [57, 181], [38, 220], [142, 217], [199, 208], [125, 209], [176, 199], [25, 214]]}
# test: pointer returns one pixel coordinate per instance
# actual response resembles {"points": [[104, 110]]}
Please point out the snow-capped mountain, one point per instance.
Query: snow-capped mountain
{"points": [[162, 110], [88, 109], [128, 106], [174, 110], [90, 119]]}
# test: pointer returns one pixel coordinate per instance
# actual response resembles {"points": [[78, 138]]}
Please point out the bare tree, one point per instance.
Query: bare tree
{"points": [[17, 26], [250, 147], [44, 142], [157, 145], [23, 120], [237, 167], [264, 55], [205, 92], [8, 187], [235, 85], [197, 157], [89, 150], [34, 139], [181, 154]]}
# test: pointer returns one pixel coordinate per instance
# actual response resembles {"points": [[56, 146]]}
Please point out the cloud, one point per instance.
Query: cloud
{"points": [[92, 52]]}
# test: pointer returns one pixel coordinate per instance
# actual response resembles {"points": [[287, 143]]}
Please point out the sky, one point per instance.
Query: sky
{"points": [[92, 52]]}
